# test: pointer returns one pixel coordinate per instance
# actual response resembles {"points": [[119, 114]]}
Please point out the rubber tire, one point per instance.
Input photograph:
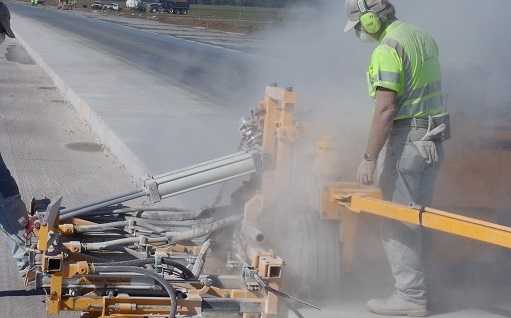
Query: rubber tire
{"points": [[309, 246]]}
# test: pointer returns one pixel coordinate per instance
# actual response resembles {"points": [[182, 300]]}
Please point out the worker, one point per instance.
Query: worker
{"points": [[13, 213], [409, 124]]}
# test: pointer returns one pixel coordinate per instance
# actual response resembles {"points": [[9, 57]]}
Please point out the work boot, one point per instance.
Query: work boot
{"points": [[396, 306]]}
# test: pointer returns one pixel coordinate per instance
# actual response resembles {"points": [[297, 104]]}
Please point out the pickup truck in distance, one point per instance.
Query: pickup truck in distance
{"points": [[176, 6]]}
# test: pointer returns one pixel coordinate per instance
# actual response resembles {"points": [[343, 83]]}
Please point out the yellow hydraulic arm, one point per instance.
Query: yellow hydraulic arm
{"points": [[341, 200]]}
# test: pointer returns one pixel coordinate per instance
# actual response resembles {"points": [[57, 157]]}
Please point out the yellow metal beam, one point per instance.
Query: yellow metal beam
{"points": [[55, 297], [442, 221]]}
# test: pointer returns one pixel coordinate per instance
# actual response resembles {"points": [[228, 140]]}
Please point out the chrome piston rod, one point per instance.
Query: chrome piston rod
{"points": [[180, 181]]}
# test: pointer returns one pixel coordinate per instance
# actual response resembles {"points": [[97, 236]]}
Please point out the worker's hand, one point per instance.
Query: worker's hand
{"points": [[365, 172]]}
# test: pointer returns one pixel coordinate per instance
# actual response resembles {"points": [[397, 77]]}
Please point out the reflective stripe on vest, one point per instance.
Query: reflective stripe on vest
{"points": [[389, 77], [415, 102]]}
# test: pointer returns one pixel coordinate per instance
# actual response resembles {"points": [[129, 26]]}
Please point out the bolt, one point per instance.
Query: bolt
{"points": [[290, 89], [274, 84]]}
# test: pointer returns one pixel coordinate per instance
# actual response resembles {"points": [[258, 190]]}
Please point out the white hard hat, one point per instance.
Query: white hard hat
{"points": [[353, 10]]}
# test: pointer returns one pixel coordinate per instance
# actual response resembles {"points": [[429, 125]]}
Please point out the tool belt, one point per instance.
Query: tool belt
{"points": [[427, 123]]}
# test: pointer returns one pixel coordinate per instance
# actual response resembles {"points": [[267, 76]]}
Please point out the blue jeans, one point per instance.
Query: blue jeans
{"points": [[13, 217], [406, 178]]}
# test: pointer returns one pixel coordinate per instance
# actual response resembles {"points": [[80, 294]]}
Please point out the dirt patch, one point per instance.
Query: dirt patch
{"points": [[17, 54]]}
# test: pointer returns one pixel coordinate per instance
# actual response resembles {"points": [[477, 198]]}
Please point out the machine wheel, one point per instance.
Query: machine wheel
{"points": [[171, 11], [309, 246]]}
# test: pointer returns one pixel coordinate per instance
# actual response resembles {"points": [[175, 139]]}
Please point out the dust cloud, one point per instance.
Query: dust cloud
{"points": [[327, 69]]}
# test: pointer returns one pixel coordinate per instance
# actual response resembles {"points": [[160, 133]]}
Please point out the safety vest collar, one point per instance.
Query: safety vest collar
{"points": [[393, 25]]}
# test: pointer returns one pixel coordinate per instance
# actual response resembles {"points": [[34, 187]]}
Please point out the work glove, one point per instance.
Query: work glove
{"points": [[427, 150], [365, 172], [426, 146]]}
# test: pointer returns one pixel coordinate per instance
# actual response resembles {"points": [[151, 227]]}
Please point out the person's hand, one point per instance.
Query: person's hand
{"points": [[365, 172]]}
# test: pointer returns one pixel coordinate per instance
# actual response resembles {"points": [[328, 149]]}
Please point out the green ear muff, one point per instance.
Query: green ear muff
{"points": [[371, 22]]}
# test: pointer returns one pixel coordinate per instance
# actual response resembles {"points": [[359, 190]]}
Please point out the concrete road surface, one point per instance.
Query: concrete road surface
{"points": [[50, 152], [159, 103]]}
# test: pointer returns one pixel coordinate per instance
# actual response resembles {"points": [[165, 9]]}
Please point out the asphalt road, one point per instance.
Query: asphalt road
{"points": [[215, 71], [249, 43]]}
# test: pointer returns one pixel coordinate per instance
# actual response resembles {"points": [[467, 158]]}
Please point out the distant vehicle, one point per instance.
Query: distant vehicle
{"points": [[66, 4], [144, 6], [37, 2], [153, 7], [114, 7], [96, 5], [176, 6], [133, 4]]}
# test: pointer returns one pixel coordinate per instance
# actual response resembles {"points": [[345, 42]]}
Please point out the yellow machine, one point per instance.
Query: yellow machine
{"points": [[108, 260]]}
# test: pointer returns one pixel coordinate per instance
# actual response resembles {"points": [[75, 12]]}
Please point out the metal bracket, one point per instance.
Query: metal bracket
{"points": [[53, 214], [151, 188]]}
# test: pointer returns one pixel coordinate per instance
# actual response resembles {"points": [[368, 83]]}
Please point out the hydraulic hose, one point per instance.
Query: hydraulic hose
{"points": [[92, 207], [187, 274], [130, 269], [100, 227], [169, 237], [199, 261]]}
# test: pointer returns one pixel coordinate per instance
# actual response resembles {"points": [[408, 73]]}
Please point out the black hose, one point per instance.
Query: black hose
{"points": [[131, 269], [187, 274]]}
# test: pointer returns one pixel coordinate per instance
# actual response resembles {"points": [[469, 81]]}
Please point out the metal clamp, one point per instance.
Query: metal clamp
{"points": [[151, 188]]}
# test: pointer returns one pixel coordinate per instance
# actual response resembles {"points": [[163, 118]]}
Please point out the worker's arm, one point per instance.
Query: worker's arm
{"points": [[383, 118], [384, 113]]}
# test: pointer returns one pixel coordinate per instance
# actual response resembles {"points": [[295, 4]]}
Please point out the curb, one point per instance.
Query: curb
{"points": [[103, 132]]}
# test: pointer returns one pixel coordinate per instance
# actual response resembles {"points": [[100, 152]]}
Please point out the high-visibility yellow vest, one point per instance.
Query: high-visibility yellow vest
{"points": [[407, 62]]}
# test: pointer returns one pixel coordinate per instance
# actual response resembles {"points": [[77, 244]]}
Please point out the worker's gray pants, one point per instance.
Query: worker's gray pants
{"points": [[13, 215], [405, 178]]}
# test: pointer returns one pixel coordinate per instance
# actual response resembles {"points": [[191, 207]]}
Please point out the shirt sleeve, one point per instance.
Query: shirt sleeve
{"points": [[385, 70]]}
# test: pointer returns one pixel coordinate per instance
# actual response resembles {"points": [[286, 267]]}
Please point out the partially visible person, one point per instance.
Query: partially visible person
{"points": [[5, 23], [410, 123], [13, 213]]}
